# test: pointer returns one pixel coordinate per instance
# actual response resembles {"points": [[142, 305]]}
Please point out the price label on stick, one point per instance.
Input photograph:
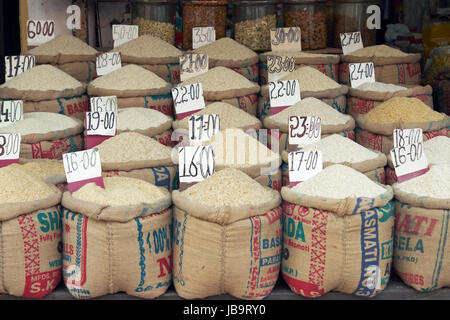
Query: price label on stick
{"points": [[193, 64], [278, 67], [409, 161], [351, 41], [188, 99], [83, 167], [15, 65], [283, 94], [195, 163], [202, 36], [204, 127], [100, 126], [10, 111], [122, 33], [361, 73], [303, 165], [107, 62], [286, 39], [9, 148], [304, 130], [103, 104], [404, 137], [40, 31]]}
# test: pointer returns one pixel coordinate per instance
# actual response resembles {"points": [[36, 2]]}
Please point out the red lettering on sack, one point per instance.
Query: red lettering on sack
{"points": [[273, 215], [411, 278], [413, 69], [321, 68], [36, 150], [164, 264], [417, 225], [401, 73], [306, 289]]}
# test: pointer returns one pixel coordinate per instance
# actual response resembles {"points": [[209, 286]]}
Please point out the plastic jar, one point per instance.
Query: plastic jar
{"points": [[351, 16], [253, 20], [156, 17], [203, 13], [311, 17]]}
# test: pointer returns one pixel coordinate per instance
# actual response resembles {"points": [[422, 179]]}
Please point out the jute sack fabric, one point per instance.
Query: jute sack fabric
{"points": [[113, 249], [30, 233], [251, 72], [75, 106], [83, 71], [159, 102], [337, 245], [362, 101]]}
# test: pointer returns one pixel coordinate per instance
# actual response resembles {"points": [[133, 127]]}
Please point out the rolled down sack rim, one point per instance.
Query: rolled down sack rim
{"points": [[61, 58], [419, 201], [51, 178], [232, 63], [327, 93], [381, 61], [147, 60], [96, 91], [269, 123], [40, 95], [116, 213], [340, 207], [136, 164], [327, 59], [227, 94], [177, 124], [412, 91], [151, 131]]}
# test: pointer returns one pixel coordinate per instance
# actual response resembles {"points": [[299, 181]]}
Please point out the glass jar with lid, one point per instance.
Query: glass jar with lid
{"points": [[311, 17], [155, 17], [253, 20], [351, 16], [203, 13]]}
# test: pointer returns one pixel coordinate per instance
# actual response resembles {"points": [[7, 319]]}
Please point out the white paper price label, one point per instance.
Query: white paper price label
{"points": [[103, 104], [188, 99], [15, 65], [9, 147], [286, 39], [193, 64], [204, 127], [10, 111], [304, 165], [82, 167], [361, 73], [283, 94], [404, 137], [278, 67], [351, 41], [195, 163], [409, 161], [101, 123], [108, 62], [304, 130], [40, 31], [122, 33], [202, 36]]}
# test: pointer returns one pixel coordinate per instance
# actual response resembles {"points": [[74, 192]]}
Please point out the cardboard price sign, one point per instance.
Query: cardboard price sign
{"points": [[202, 36], [15, 65], [351, 41], [9, 148], [404, 137], [195, 163], [283, 94], [409, 161], [304, 130], [361, 73], [122, 33], [188, 99], [278, 67], [107, 62], [204, 127], [193, 64], [10, 111], [40, 31], [103, 104], [286, 39], [83, 167], [303, 165]]}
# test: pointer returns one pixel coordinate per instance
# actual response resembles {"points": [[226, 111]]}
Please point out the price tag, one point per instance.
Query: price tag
{"points": [[15, 65], [351, 41], [303, 165], [40, 31], [195, 163], [361, 73], [9, 148], [122, 33], [83, 167], [193, 64], [106, 103], [286, 39], [188, 99], [101, 123], [409, 161], [278, 67], [204, 127], [283, 94], [404, 137], [10, 111], [202, 36], [107, 62], [304, 130]]}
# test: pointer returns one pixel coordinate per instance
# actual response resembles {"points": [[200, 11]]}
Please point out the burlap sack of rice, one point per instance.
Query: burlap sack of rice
{"points": [[47, 135], [48, 170], [227, 237], [30, 233], [223, 84], [369, 95], [153, 54], [337, 234], [45, 88], [375, 127], [117, 239], [390, 65], [422, 214], [313, 83], [339, 150], [332, 120], [131, 154], [68, 53], [328, 64], [229, 53]]}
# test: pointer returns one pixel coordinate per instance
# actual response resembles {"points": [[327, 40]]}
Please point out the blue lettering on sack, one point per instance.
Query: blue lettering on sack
{"points": [[265, 261], [162, 177], [363, 203]]}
